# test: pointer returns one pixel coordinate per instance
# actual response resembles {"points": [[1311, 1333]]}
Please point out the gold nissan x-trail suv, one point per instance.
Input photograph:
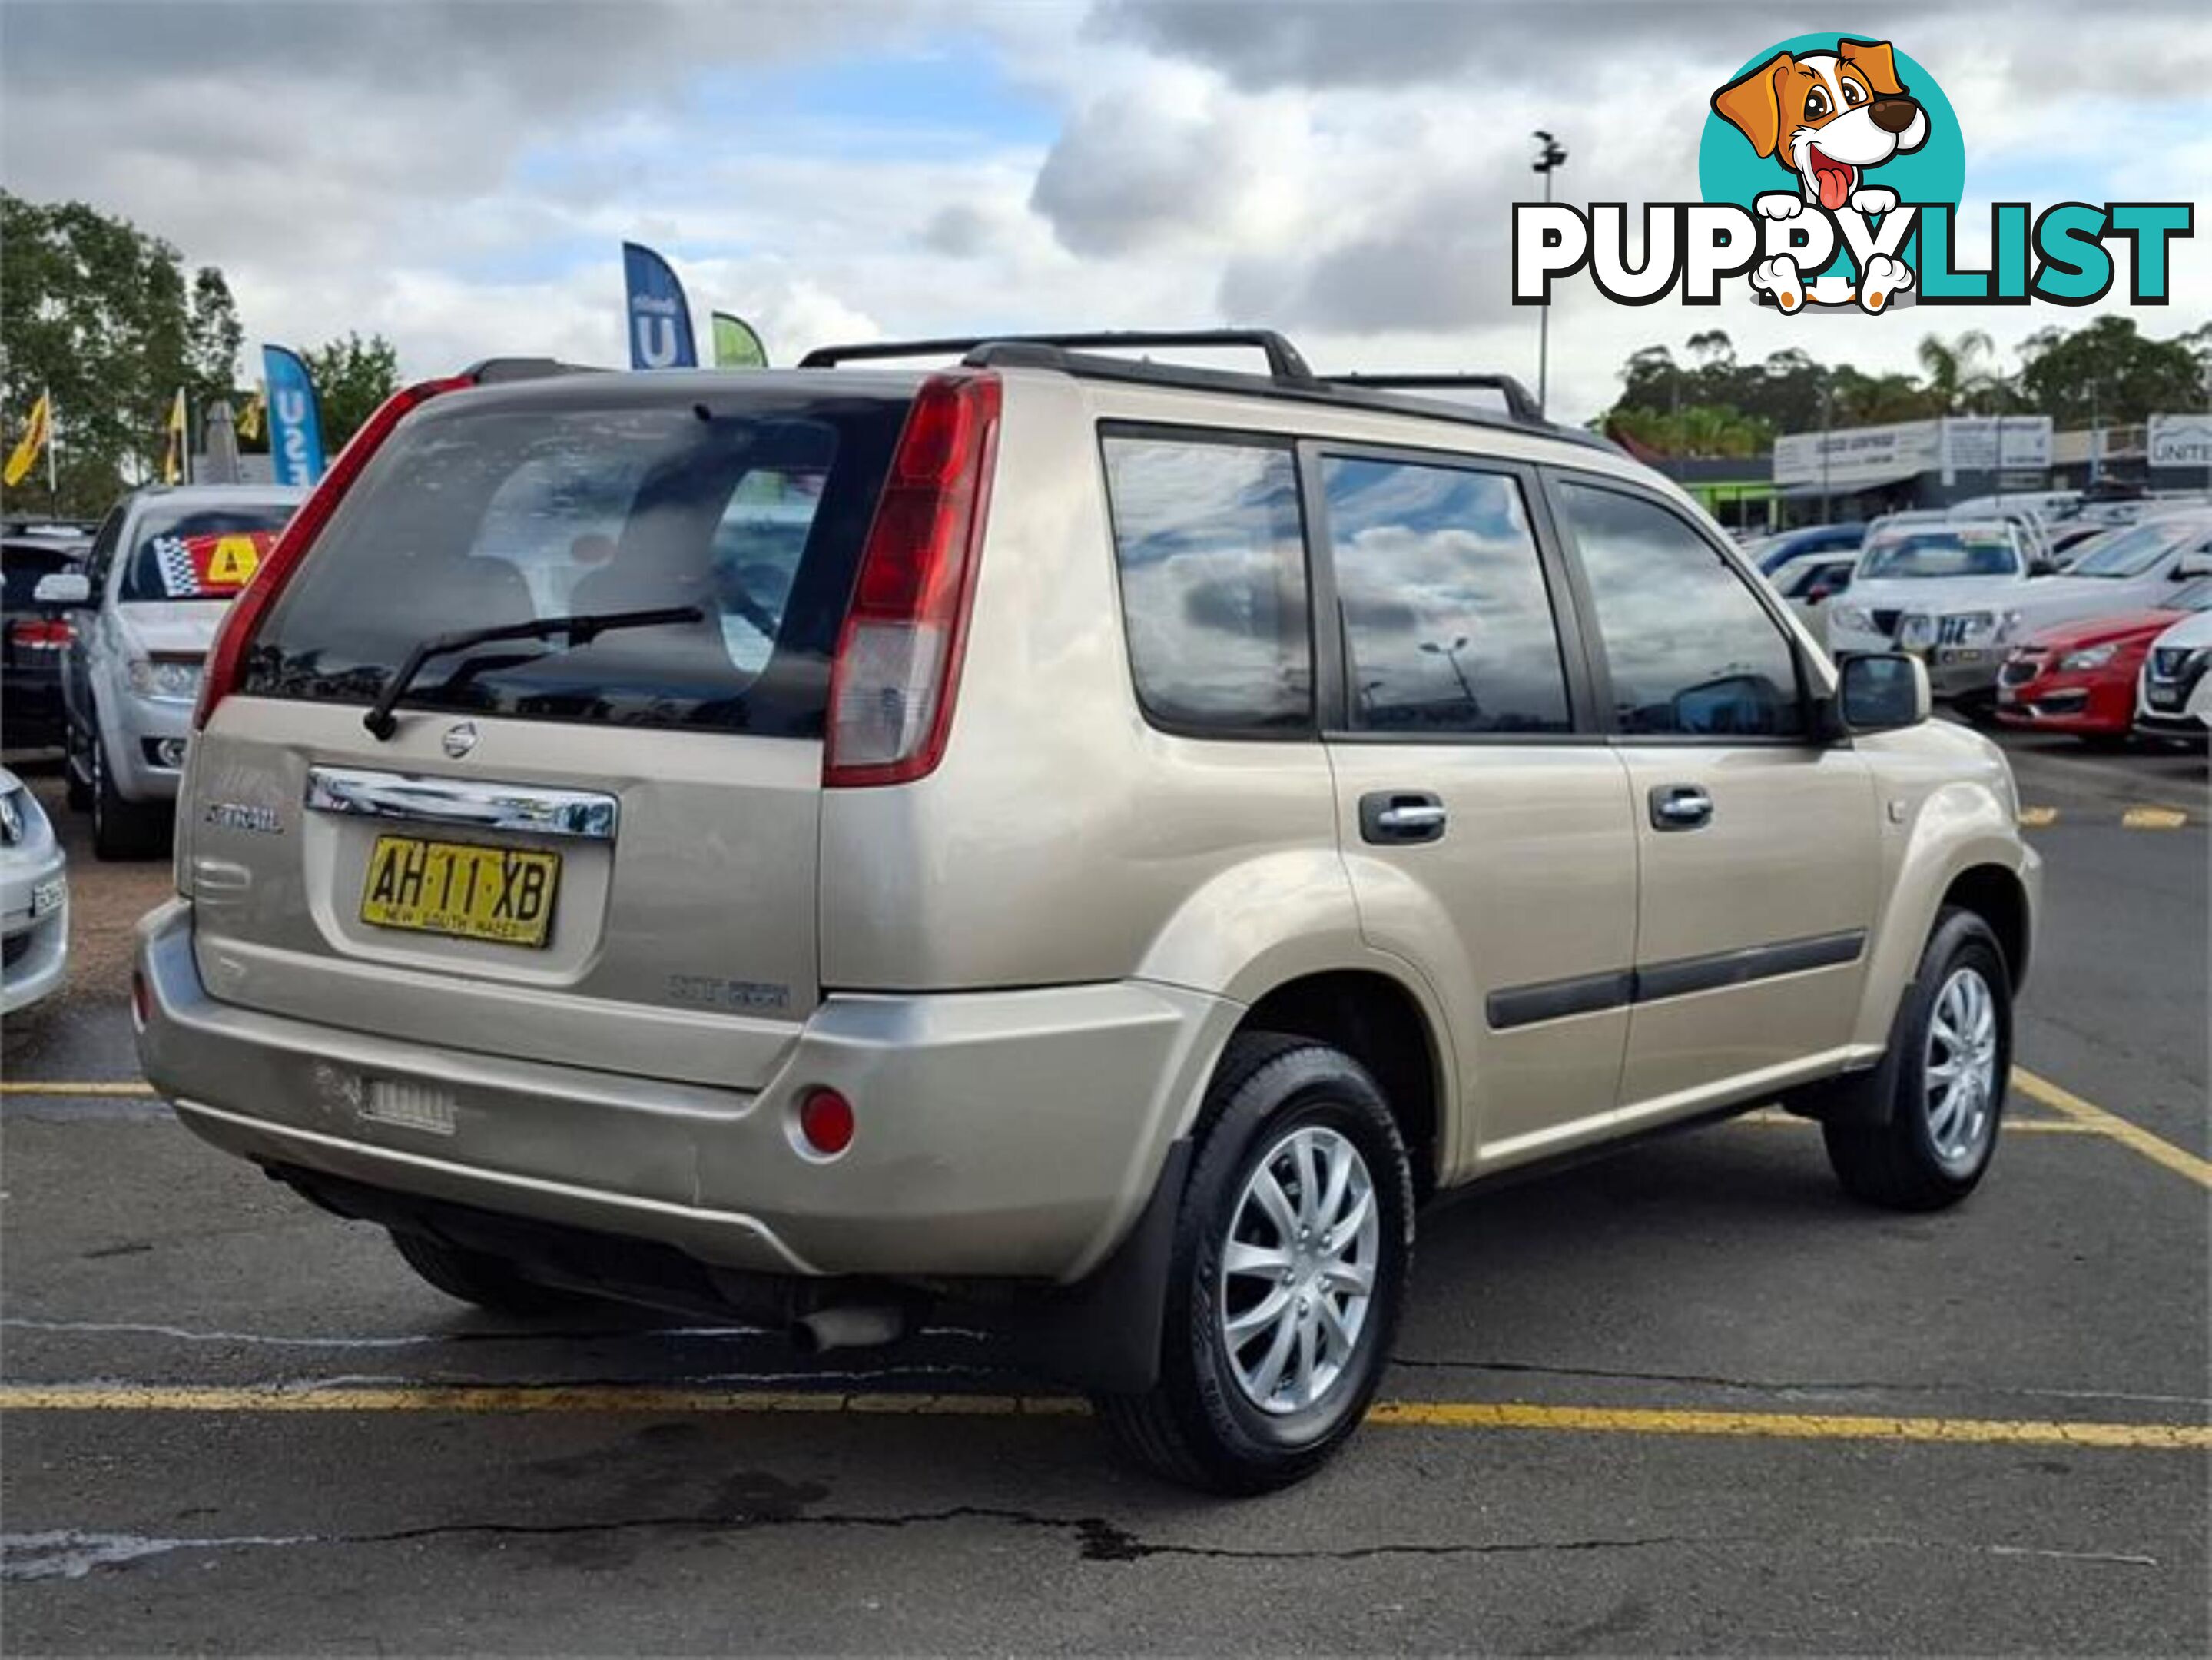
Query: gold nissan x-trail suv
{"points": [[1088, 840]]}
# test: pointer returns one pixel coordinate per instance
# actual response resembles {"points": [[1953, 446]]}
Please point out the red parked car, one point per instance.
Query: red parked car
{"points": [[2079, 678]]}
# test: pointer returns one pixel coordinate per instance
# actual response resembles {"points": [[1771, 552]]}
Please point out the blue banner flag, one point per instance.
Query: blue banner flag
{"points": [[659, 320], [295, 424]]}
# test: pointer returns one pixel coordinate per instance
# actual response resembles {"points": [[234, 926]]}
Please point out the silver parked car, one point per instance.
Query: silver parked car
{"points": [[33, 899], [165, 563], [1094, 841]]}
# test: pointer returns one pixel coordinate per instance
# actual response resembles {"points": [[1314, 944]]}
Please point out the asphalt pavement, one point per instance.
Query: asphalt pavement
{"points": [[1686, 1398]]}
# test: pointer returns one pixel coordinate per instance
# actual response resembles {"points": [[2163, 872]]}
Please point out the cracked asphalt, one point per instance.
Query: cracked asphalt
{"points": [[1685, 1399]]}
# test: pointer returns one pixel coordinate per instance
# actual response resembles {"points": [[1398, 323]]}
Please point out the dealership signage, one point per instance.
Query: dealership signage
{"points": [[1856, 458], [2181, 440]]}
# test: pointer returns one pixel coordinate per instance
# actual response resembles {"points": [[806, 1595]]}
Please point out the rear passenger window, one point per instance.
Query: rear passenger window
{"points": [[1211, 547], [1690, 649], [1447, 622]]}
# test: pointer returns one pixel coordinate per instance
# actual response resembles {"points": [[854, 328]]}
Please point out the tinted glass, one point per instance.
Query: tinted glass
{"points": [[1690, 649], [22, 563], [478, 517], [1447, 623], [1211, 546], [160, 568]]}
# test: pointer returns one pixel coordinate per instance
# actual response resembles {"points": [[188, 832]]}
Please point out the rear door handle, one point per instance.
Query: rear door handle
{"points": [[1400, 815], [1681, 807]]}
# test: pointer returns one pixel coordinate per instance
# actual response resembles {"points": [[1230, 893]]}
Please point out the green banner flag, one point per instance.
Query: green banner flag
{"points": [[736, 345]]}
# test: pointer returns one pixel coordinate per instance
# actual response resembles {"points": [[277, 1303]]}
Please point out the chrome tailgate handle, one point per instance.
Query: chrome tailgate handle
{"points": [[466, 803]]}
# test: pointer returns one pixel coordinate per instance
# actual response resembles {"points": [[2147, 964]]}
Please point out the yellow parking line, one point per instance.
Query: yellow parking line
{"points": [[39, 1086], [2134, 1136], [1772, 1117], [1417, 1414], [2153, 818], [2037, 818]]}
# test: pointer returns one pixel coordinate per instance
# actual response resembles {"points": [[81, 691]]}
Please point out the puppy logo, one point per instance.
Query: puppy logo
{"points": [[1828, 118]]}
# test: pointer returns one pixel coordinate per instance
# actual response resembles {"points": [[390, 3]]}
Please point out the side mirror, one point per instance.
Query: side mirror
{"points": [[1882, 691], [1816, 596], [2191, 566], [63, 588]]}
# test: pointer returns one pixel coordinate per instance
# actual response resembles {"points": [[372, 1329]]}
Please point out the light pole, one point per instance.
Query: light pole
{"points": [[1827, 393], [1553, 154], [1450, 655]]}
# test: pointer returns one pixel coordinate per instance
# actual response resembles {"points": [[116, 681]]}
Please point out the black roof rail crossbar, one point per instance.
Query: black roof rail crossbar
{"points": [[1518, 403], [1284, 361]]}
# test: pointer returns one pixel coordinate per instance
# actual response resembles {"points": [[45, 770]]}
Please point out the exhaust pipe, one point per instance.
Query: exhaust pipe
{"points": [[847, 1326]]}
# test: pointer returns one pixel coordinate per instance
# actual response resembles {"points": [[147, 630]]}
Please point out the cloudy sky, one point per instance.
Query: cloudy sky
{"points": [[458, 173]]}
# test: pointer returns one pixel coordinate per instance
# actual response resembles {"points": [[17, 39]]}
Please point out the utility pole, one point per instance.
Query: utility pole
{"points": [[1551, 156], [1827, 392]]}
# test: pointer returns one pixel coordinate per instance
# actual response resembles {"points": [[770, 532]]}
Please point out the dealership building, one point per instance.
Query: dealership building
{"points": [[1857, 472]]}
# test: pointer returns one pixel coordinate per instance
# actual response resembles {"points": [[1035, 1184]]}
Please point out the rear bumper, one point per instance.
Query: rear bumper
{"points": [[1000, 1133]]}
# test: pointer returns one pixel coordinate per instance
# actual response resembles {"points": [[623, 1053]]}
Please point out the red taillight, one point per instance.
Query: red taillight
{"points": [[897, 670], [41, 633], [826, 1122], [227, 657]]}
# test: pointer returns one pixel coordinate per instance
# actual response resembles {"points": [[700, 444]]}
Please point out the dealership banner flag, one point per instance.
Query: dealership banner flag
{"points": [[174, 461], [37, 433], [658, 317], [737, 343], [296, 422]]}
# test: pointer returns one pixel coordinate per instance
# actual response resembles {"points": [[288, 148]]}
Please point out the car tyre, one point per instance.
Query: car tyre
{"points": [[473, 1276], [121, 829], [1286, 1121], [1953, 1060]]}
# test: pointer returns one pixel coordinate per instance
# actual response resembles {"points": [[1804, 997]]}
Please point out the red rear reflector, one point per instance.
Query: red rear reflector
{"points": [[227, 658], [826, 1122], [897, 670]]}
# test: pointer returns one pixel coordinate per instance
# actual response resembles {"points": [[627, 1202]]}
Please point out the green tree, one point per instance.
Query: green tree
{"points": [[213, 335], [94, 310], [1961, 373], [2108, 373], [352, 376]]}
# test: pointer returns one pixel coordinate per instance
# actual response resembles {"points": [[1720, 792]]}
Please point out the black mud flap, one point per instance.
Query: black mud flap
{"points": [[1104, 1333]]}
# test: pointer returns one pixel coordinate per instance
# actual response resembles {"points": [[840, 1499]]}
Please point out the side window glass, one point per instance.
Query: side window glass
{"points": [[103, 551], [1211, 547], [1447, 622], [1689, 647]]}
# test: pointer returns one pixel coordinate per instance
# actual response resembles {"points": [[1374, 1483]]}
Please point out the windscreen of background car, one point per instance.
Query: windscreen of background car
{"points": [[753, 514], [1933, 553], [163, 565], [2132, 552]]}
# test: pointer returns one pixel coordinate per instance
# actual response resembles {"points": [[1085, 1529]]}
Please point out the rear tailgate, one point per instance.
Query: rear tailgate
{"points": [[600, 853]]}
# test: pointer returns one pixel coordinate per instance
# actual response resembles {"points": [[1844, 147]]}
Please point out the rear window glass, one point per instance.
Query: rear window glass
{"points": [[1211, 546], [200, 553], [752, 514], [22, 563]]}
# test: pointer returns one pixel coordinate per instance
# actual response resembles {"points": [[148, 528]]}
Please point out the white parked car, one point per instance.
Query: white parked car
{"points": [[1948, 569], [2173, 698], [2135, 569], [33, 899], [1810, 584]]}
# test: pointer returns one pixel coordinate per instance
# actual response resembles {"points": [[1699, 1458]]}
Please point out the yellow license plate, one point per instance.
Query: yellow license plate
{"points": [[500, 894]]}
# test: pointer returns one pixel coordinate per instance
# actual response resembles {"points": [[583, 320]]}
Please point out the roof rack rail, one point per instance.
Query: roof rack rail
{"points": [[493, 370], [1040, 350], [1518, 403]]}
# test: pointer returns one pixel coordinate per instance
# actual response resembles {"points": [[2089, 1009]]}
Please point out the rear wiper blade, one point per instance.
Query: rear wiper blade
{"points": [[580, 630]]}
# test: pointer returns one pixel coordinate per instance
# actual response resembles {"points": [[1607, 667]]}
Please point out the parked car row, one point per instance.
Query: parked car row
{"points": [[2019, 619]]}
